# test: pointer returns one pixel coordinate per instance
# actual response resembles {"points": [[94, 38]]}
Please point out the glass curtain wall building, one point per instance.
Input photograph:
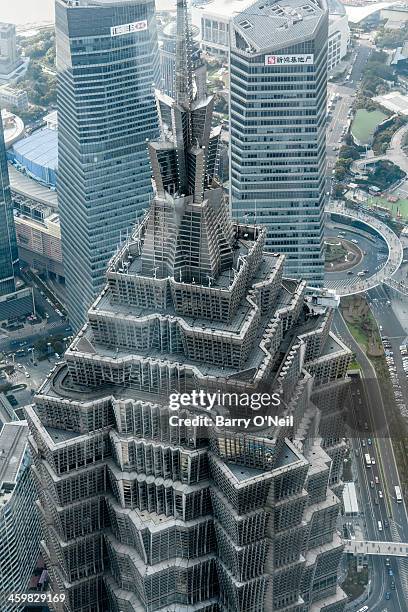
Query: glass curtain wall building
{"points": [[278, 68], [8, 242], [107, 60]]}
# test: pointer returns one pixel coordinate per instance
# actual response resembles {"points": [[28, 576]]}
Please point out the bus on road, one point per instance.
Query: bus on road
{"points": [[367, 459], [398, 495]]}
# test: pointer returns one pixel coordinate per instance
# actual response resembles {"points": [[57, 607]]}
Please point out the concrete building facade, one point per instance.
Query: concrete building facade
{"points": [[107, 60], [9, 59], [13, 99], [39, 244], [143, 514], [19, 522], [278, 82], [339, 34]]}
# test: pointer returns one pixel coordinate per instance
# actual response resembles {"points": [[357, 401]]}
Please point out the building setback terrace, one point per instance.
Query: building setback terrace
{"points": [[143, 516]]}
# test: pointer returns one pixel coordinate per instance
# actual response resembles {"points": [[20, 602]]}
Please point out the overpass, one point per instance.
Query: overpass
{"points": [[395, 250], [378, 548], [386, 549]]}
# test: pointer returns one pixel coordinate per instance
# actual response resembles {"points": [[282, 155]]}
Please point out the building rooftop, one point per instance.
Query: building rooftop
{"points": [[288, 20], [356, 14], [52, 120], [221, 8], [6, 410], [350, 498], [29, 188], [394, 101], [13, 128], [50, 225], [13, 441], [38, 154]]}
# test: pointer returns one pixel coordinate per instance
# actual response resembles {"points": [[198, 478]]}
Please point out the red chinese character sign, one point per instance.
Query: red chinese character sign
{"points": [[302, 59]]}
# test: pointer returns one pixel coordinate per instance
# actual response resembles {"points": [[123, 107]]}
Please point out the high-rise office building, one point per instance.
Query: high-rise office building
{"points": [[8, 242], [13, 303], [9, 58], [140, 513], [278, 80], [19, 521], [107, 59]]}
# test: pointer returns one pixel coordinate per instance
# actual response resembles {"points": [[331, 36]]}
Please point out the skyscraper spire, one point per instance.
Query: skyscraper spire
{"points": [[184, 160], [184, 66], [188, 233]]}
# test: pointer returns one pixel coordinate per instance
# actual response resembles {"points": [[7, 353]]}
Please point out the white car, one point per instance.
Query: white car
{"points": [[380, 493]]}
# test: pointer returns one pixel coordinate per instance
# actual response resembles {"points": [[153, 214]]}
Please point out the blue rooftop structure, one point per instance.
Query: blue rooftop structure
{"points": [[38, 155]]}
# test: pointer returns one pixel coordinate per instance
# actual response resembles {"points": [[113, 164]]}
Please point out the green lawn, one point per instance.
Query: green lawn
{"points": [[358, 335], [365, 123], [401, 206], [354, 365]]}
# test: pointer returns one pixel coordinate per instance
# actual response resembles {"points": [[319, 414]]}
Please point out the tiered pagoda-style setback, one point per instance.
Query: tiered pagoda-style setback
{"points": [[139, 515]]}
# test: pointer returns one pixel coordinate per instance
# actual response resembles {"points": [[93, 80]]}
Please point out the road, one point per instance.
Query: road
{"points": [[347, 91], [31, 334], [386, 471], [54, 325], [374, 251], [372, 506]]}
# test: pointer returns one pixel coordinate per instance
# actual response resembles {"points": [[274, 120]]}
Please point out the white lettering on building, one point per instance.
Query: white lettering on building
{"points": [[288, 60], [128, 28]]}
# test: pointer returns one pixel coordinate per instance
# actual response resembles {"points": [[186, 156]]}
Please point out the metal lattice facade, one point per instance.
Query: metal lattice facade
{"points": [[139, 515]]}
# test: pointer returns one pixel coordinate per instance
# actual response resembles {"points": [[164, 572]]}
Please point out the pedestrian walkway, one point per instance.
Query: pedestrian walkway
{"points": [[348, 286], [376, 548], [399, 286]]}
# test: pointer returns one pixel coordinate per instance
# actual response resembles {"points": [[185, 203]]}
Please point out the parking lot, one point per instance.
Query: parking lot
{"points": [[398, 385]]}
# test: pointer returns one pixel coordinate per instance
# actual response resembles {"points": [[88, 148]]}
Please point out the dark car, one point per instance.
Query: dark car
{"points": [[387, 595]]}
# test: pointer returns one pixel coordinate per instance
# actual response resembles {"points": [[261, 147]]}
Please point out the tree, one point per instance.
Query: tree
{"points": [[340, 170], [391, 39], [349, 152], [385, 174], [383, 135], [220, 104], [40, 346], [339, 190]]}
